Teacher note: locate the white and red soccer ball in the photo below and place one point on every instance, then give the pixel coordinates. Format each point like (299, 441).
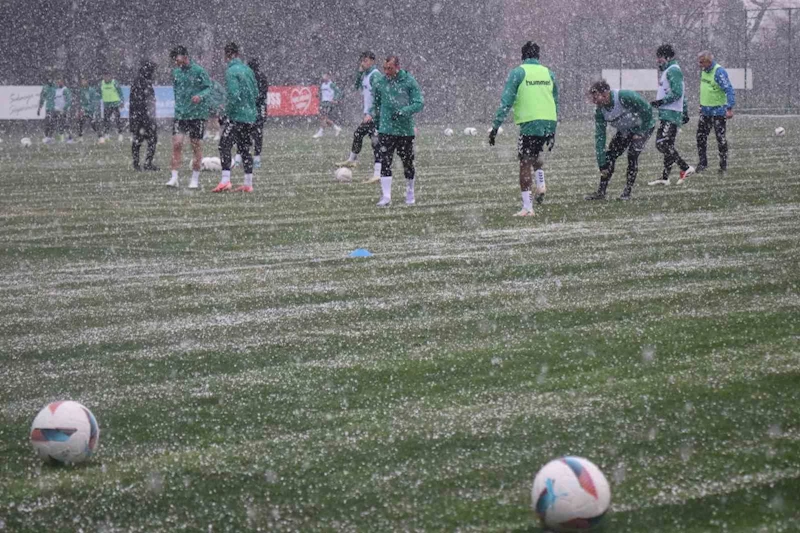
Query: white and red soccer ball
(65, 432)
(570, 494)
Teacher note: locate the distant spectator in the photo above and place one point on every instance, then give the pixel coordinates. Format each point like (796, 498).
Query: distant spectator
(113, 101)
(717, 99)
(46, 99)
(89, 110)
(143, 116)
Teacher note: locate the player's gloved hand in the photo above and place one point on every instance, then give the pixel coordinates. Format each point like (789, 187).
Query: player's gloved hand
(657, 103)
(551, 142)
(685, 118)
(492, 136)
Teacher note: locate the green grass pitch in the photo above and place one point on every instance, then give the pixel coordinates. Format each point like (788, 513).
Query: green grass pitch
(248, 376)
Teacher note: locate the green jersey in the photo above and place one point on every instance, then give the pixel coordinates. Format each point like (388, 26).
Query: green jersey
(538, 128)
(187, 82)
(241, 92)
(395, 102)
(627, 112)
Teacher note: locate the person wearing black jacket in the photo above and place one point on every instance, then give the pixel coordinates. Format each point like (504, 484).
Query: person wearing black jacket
(261, 105)
(143, 116)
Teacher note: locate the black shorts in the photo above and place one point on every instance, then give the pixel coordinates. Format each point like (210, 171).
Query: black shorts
(327, 110)
(195, 128)
(530, 146)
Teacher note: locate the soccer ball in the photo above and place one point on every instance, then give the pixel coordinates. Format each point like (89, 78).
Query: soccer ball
(65, 432)
(448, 132)
(570, 494)
(344, 175)
(780, 131)
(470, 131)
(26, 142)
(211, 164)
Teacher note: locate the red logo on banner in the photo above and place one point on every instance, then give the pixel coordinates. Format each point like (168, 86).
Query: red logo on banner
(293, 100)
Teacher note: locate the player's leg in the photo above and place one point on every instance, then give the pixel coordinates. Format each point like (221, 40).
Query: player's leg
(720, 130)
(152, 142)
(665, 136)
(196, 130)
(405, 151)
(48, 126)
(136, 146)
(226, 142)
(355, 148)
(243, 138)
(703, 129)
(619, 143)
(376, 150)
(258, 141)
(118, 120)
(538, 170)
(177, 149)
(323, 119)
(527, 154)
(388, 146)
(635, 149)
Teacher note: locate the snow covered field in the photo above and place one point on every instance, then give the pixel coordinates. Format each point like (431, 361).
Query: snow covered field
(248, 375)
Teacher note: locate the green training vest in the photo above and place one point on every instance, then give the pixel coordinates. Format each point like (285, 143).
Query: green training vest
(535, 96)
(110, 94)
(711, 94)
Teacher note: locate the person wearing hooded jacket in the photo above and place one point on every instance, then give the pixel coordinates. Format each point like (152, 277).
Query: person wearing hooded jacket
(143, 116)
(396, 99)
(261, 106)
(672, 112)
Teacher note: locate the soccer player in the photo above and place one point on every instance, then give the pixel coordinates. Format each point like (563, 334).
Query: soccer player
(192, 89)
(397, 97)
(717, 99)
(671, 104)
(143, 116)
(531, 90)
(62, 103)
(46, 99)
(261, 107)
(632, 117)
(368, 76)
(240, 117)
(89, 110)
(111, 94)
(216, 110)
(329, 95)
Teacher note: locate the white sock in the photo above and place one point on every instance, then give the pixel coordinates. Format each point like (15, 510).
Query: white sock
(226, 176)
(248, 180)
(174, 174)
(377, 171)
(337, 128)
(526, 200)
(238, 158)
(319, 131)
(257, 158)
(353, 157)
(195, 175)
(410, 185)
(386, 186)
(539, 179)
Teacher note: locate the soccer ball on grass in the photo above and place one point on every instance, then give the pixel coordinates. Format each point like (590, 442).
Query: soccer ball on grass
(570, 494)
(65, 432)
(344, 175)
